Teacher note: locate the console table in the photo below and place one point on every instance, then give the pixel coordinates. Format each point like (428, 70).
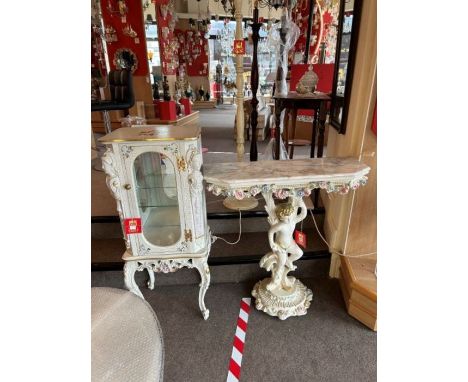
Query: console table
(281, 295)
(294, 101)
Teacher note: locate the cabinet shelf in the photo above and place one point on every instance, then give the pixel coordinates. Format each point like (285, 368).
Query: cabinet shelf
(156, 188)
(151, 205)
(161, 225)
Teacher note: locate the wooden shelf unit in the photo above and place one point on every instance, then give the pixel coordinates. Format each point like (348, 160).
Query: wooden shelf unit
(359, 286)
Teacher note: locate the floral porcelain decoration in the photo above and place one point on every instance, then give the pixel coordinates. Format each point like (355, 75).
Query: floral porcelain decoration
(283, 192)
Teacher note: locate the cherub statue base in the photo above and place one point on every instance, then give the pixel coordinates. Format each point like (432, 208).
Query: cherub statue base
(281, 295)
(280, 302)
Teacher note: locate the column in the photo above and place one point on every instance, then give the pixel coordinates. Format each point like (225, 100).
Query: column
(240, 85)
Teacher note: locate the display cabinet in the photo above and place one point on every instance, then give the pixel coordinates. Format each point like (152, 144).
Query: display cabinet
(154, 174)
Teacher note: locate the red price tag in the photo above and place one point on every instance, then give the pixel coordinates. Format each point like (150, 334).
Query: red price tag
(300, 238)
(132, 225)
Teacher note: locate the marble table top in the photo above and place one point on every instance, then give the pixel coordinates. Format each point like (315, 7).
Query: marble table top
(296, 95)
(286, 177)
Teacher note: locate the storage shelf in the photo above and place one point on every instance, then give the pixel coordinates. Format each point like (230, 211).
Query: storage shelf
(155, 188)
(162, 226)
(141, 205)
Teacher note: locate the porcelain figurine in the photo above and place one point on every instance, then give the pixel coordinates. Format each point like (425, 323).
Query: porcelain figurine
(166, 95)
(285, 249)
(189, 91)
(308, 82)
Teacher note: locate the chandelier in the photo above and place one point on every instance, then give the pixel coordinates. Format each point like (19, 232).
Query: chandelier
(226, 38)
(228, 6)
(274, 3)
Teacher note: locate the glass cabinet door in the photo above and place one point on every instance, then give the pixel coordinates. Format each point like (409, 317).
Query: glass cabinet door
(156, 193)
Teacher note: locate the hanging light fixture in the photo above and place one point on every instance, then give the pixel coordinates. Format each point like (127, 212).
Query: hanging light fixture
(276, 3)
(228, 6)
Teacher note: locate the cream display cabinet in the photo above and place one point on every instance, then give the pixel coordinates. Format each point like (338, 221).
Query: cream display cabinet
(154, 174)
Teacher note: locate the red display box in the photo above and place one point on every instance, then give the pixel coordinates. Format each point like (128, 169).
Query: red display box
(324, 84)
(187, 105)
(156, 107)
(323, 71)
(167, 110)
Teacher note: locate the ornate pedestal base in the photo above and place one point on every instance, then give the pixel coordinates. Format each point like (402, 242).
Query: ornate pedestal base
(240, 205)
(282, 303)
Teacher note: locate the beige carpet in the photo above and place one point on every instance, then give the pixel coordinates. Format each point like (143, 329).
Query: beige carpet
(326, 345)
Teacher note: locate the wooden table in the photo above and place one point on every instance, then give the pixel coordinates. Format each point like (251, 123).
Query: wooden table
(294, 101)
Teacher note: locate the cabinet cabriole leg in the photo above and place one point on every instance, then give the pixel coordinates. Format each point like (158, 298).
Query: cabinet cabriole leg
(130, 268)
(204, 270)
(151, 278)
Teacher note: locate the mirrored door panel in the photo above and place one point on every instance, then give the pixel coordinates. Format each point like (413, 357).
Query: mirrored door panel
(348, 28)
(156, 193)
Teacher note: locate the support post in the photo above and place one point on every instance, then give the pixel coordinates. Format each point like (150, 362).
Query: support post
(240, 86)
(309, 31)
(254, 85)
(280, 76)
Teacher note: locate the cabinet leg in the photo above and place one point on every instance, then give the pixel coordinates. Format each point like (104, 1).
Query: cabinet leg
(130, 268)
(151, 278)
(204, 270)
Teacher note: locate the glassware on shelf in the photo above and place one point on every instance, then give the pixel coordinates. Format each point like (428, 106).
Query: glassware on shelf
(130, 121)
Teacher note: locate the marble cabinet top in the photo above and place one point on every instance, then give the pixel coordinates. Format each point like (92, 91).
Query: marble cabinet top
(153, 133)
(297, 175)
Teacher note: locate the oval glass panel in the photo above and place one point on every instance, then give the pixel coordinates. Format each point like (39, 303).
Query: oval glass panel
(156, 193)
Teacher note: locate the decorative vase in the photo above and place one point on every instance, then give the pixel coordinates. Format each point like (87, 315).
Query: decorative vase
(201, 92)
(189, 91)
(308, 82)
(164, 9)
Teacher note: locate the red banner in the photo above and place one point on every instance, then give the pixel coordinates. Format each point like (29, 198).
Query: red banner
(239, 47)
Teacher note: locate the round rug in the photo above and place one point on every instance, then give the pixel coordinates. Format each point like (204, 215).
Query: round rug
(126, 338)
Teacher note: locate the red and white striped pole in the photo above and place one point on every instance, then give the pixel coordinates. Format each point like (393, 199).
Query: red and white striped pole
(239, 341)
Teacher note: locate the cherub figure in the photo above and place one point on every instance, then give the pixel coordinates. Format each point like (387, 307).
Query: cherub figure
(285, 249)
